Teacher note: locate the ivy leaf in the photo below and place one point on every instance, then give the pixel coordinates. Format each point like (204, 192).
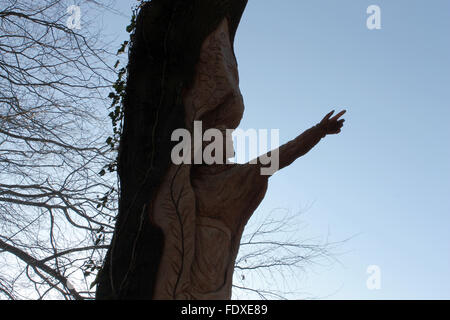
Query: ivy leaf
(122, 48)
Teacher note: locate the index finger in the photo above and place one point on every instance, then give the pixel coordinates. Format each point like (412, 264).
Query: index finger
(339, 115)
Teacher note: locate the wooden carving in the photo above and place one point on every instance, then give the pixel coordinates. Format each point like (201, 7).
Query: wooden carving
(179, 225)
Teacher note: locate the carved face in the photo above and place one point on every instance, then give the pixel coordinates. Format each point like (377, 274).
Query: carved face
(214, 97)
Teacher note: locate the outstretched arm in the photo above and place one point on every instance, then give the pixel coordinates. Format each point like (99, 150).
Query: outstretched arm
(301, 145)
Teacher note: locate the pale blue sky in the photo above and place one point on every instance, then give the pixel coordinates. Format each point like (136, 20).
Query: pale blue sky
(386, 177)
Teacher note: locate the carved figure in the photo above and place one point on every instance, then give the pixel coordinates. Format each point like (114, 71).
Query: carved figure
(179, 226)
(203, 209)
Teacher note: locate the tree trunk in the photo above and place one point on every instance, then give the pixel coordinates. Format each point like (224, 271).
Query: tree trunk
(164, 51)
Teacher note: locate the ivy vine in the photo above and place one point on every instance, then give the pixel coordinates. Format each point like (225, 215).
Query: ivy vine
(117, 96)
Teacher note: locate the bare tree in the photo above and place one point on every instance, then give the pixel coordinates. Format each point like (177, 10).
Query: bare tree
(55, 209)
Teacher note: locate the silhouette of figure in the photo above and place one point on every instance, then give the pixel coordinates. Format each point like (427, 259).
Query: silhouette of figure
(202, 209)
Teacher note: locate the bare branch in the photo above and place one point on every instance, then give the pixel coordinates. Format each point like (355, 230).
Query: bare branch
(38, 264)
